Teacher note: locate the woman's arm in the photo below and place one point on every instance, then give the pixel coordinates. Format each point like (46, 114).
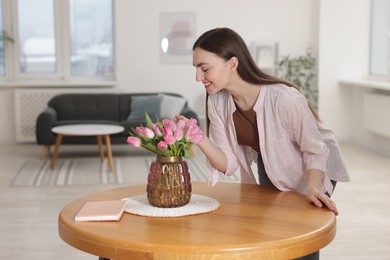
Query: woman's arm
(314, 150)
(214, 154)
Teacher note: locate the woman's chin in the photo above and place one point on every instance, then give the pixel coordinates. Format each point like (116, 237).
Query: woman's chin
(211, 91)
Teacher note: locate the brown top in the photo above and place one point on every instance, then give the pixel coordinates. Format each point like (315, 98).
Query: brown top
(246, 128)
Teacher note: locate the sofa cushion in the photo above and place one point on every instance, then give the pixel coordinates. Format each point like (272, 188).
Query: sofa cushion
(171, 106)
(86, 106)
(141, 104)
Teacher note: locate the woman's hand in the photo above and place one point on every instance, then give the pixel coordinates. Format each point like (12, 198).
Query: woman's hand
(314, 192)
(214, 154)
(180, 117)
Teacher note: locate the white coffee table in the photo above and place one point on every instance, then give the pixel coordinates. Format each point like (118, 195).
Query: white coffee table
(98, 130)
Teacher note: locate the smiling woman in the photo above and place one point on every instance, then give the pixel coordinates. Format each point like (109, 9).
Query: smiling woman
(254, 115)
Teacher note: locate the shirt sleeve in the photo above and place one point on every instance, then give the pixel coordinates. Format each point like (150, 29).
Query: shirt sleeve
(218, 134)
(304, 131)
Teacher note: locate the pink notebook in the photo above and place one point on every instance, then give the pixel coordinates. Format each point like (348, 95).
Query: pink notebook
(109, 210)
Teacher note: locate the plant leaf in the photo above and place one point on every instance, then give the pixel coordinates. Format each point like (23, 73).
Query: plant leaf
(149, 122)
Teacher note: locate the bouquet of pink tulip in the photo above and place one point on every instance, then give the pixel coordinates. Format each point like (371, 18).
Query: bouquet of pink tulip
(167, 137)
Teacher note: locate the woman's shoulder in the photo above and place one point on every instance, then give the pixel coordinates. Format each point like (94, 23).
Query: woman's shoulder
(220, 105)
(282, 92)
(281, 89)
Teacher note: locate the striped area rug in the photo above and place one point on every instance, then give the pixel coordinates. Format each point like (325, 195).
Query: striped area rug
(90, 171)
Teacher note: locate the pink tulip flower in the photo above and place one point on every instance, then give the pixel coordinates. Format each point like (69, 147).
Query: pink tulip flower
(169, 139)
(198, 137)
(169, 124)
(148, 133)
(139, 130)
(191, 122)
(162, 145)
(167, 131)
(157, 130)
(194, 134)
(134, 141)
(144, 132)
(178, 134)
(180, 124)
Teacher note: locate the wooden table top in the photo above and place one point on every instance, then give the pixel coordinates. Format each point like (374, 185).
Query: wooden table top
(252, 222)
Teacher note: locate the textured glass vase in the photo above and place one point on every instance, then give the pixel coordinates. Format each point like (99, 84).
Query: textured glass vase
(169, 182)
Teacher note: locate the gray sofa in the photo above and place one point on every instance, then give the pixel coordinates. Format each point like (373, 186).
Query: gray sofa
(125, 109)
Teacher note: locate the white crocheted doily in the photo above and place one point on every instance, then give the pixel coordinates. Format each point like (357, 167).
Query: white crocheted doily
(139, 205)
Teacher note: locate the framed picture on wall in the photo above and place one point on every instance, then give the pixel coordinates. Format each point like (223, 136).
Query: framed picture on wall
(266, 57)
(177, 35)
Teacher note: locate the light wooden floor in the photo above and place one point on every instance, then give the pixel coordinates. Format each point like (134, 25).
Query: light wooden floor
(28, 216)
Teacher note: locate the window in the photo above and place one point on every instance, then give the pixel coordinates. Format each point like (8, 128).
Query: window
(380, 29)
(91, 38)
(37, 50)
(63, 41)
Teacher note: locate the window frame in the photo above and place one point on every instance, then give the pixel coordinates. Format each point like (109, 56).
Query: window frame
(62, 77)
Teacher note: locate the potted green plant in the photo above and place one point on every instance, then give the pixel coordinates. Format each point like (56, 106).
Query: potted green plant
(301, 71)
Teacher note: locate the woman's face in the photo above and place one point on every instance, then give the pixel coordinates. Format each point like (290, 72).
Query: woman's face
(213, 71)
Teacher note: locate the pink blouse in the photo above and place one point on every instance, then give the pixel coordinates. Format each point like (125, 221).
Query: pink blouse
(291, 140)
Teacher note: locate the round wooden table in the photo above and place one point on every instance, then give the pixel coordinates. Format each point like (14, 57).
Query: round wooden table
(252, 222)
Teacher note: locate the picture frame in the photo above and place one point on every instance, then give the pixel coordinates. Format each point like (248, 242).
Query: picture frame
(177, 35)
(266, 56)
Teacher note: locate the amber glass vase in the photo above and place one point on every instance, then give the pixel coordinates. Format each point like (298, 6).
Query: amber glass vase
(169, 182)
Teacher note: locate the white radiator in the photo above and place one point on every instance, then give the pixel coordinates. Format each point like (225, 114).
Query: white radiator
(376, 113)
(29, 103)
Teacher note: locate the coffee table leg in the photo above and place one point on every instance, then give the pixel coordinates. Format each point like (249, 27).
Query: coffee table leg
(45, 151)
(55, 154)
(101, 152)
(109, 152)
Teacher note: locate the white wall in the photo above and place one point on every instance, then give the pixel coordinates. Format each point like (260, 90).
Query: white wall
(343, 55)
(360, 133)
(343, 52)
(290, 23)
(283, 21)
